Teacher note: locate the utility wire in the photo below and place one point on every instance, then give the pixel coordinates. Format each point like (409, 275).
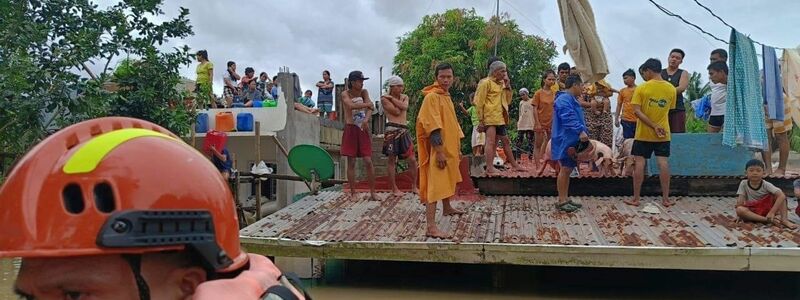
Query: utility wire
(726, 23)
(671, 14)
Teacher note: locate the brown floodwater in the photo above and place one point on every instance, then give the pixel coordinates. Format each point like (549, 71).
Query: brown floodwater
(356, 280)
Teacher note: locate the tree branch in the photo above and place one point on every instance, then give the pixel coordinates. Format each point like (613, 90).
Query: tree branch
(105, 68)
(55, 115)
(86, 68)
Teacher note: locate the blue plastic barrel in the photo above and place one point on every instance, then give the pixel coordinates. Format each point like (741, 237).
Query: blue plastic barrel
(244, 122)
(201, 125)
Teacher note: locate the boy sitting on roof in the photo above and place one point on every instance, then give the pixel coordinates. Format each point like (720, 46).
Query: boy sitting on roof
(759, 200)
(305, 104)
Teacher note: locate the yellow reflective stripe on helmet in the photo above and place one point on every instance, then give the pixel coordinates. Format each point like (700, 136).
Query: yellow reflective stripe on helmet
(90, 154)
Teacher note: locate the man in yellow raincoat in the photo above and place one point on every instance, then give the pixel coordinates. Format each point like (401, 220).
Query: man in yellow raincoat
(492, 100)
(439, 140)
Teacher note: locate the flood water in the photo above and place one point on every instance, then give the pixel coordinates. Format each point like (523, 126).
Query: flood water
(394, 280)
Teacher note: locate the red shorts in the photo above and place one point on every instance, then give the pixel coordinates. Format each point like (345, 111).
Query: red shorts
(677, 121)
(761, 206)
(356, 142)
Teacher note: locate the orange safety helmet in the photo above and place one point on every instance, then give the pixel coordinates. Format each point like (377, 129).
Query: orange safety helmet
(118, 186)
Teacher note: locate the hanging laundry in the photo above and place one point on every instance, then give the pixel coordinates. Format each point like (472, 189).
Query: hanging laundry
(745, 108)
(582, 41)
(790, 73)
(702, 107)
(773, 90)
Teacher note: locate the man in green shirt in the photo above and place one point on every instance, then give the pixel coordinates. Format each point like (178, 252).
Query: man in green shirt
(478, 138)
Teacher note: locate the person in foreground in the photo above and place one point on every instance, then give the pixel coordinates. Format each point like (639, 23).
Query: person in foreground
(652, 102)
(439, 144)
(759, 200)
(569, 128)
(88, 212)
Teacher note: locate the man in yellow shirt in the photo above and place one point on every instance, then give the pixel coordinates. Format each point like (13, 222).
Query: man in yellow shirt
(439, 145)
(492, 100)
(652, 101)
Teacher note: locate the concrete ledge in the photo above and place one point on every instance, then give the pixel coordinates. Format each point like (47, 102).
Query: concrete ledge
(694, 154)
(711, 258)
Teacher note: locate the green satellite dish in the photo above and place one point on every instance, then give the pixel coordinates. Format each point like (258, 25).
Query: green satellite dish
(311, 163)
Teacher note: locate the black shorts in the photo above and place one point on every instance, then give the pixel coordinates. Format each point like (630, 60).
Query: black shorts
(646, 149)
(499, 130)
(716, 121)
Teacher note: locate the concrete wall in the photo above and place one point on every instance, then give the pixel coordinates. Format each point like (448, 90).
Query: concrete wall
(694, 154)
(243, 152)
(301, 128)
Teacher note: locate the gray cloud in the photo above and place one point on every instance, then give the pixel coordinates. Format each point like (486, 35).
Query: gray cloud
(310, 36)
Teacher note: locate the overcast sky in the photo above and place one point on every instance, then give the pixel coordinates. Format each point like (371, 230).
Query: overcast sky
(343, 35)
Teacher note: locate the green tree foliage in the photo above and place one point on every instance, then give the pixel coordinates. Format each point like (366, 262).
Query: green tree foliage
(46, 81)
(696, 90)
(466, 41)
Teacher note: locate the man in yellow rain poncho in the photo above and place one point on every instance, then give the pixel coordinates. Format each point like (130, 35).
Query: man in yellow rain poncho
(492, 100)
(439, 140)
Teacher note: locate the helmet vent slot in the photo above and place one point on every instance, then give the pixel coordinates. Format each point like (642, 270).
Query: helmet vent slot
(95, 130)
(104, 197)
(73, 198)
(72, 141)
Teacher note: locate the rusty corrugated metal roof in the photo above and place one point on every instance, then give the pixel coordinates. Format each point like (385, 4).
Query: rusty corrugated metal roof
(604, 221)
(534, 172)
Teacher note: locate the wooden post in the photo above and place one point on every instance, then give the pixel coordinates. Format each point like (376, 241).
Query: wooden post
(256, 179)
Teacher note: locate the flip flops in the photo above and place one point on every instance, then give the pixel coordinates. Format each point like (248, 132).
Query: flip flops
(566, 207)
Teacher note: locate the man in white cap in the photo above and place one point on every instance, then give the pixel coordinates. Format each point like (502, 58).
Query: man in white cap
(492, 100)
(396, 140)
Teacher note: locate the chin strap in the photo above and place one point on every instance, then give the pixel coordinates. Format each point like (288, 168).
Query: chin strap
(135, 261)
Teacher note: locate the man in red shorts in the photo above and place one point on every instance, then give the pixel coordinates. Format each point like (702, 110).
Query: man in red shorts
(759, 200)
(356, 140)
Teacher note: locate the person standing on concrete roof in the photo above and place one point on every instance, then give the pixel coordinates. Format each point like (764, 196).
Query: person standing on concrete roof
(397, 141)
(356, 138)
(230, 89)
(439, 140)
(325, 94)
(205, 78)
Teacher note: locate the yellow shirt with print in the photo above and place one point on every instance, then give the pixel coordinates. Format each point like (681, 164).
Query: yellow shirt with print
(656, 97)
(492, 100)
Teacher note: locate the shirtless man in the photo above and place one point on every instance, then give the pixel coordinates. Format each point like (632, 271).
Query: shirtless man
(356, 140)
(397, 142)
